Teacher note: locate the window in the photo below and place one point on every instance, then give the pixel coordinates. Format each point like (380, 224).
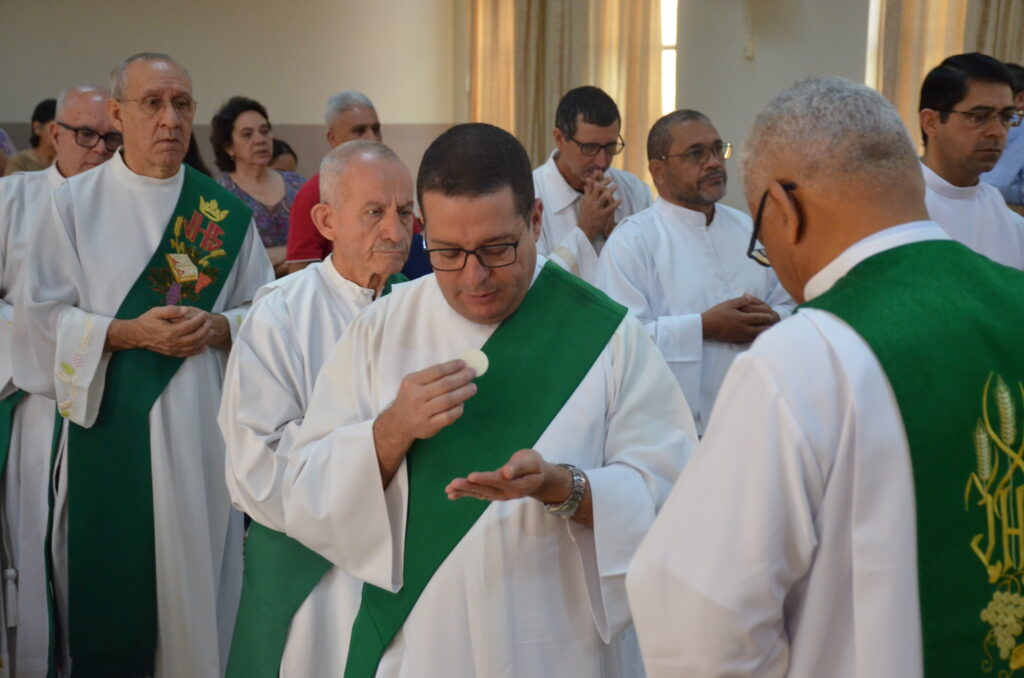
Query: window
(669, 29)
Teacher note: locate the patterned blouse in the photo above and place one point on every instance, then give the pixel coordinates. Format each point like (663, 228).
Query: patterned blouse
(271, 221)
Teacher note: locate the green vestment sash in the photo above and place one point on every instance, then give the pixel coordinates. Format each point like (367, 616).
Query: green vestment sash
(7, 406)
(279, 575)
(946, 325)
(538, 356)
(111, 560)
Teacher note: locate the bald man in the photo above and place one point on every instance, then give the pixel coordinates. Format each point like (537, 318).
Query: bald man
(84, 138)
(132, 345)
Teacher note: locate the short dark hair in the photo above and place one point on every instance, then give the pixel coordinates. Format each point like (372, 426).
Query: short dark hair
(281, 147)
(1017, 73)
(223, 124)
(659, 139)
(473, 160)
(44, 112)
(946, 85)
(596, 107)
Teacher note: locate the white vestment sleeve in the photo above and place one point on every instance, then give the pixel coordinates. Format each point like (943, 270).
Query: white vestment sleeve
(334, 500)
(7, 386)
(650, 436)
(575, 253)
(709, 583)
(261, 411)
(779, 300)
(58, 348)
(255, 266)
(679, 338)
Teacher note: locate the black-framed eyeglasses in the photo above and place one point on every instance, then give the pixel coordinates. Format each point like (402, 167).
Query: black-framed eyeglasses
(86, 137)
(757, 253)
(490, 256)
(982, 116)
(592, 149)
(700, 155)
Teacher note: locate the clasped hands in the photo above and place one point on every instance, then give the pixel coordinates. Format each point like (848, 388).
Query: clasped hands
(433, 398)
(176, 331)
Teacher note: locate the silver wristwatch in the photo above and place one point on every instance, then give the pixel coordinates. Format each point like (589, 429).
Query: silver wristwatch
(569, 507)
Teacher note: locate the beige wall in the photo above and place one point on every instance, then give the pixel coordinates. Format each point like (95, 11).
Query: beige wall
(289, 55)
(790, 40)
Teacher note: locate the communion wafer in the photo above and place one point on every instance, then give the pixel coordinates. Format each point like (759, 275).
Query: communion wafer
(477, 360)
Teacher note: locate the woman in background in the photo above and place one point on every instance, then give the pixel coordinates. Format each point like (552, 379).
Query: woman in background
(243, 144)
(283, 157)
(41, 152)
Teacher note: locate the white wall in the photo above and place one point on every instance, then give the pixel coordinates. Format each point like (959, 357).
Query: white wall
(792, 39)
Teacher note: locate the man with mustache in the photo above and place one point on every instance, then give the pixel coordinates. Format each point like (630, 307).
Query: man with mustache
(966, 111)
(84, 137)
(583, 196)
(367, 213)
(477, 515)
(680, 266)
(137, 275)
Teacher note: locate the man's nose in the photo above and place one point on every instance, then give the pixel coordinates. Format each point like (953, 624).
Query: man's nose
(475, 272)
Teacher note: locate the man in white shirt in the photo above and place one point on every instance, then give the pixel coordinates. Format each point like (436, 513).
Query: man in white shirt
(367, 211)
(562, 417)
(84, 137)
(966, 110)
(136, 278)
(847, 512)
(583, 196)
(680, 265)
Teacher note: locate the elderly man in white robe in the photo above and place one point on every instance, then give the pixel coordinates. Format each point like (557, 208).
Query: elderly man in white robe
(367, 211)
(136, 278)
(84, 137)
(848, 526)
(680, 265)
(966, 110)
(479, 513)
(584, 197)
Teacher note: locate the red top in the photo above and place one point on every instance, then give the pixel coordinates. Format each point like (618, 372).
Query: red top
(304, 240)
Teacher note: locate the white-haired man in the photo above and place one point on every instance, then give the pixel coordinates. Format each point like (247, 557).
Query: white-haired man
(136, 278)
(680, 265)
(850, 511)
(350, 115)
(84, 137)
(367, 210)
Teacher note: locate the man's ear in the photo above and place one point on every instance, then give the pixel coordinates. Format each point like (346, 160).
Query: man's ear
(536, 217)
(930, 121)
(791, 221)
(116, 112)
(323, 218)
(657, 170)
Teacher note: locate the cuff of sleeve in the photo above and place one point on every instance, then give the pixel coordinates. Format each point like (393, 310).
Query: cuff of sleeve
(623, 511)
(236, 316)
(80, 366)
(680, 338)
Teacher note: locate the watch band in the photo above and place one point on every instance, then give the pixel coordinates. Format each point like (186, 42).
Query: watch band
(569, 507)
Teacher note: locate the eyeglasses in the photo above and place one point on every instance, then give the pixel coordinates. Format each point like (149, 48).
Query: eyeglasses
(591, 149)
(184, 106)
(982, 116)
(490, 256)
(700, 155)
(86, 137)
(757, 253)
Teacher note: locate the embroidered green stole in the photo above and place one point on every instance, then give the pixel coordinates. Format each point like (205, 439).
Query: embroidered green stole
(111, 560)
(538, 357)
(279, 575)
(946, 325)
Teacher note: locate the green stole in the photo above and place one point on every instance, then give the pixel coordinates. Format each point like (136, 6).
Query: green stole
(7, 406)
(538, 357)
(961, 400)
(279, 575)
(111, 560)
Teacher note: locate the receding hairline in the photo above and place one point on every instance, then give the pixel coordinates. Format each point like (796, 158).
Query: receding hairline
(118, 77)
(340, 158)
(78, 91)
(344, 101)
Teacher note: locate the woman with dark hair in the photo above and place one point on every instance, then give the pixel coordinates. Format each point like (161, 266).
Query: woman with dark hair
(41, 152)
(284, 158)
(242, 145)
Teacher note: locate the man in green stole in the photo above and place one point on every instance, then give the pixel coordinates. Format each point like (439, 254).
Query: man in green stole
(864, 518)
(289, 332)
(403, 438)
(135, 281)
